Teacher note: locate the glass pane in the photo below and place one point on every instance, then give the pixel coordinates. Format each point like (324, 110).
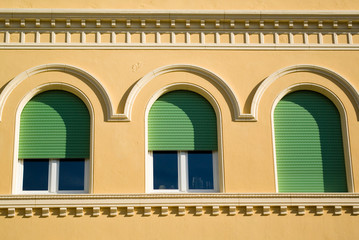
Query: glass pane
(200, 170)
(36, 175)
(72, 174)
(165, 170)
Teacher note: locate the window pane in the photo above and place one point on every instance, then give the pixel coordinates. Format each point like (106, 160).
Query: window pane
(72, 174)
(200, 170)
(36, 175)
(165, 170)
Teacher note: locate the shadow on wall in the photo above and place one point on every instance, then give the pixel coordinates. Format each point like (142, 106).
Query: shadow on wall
(55, 124)
(183, 119)
(309, 144)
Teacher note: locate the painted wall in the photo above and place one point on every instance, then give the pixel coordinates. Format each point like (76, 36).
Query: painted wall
(179, 227)
(118, 167)
(187, 4)
(247, 146)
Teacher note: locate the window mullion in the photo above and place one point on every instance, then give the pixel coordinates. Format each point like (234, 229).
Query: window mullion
(53, 175)
(183, 171)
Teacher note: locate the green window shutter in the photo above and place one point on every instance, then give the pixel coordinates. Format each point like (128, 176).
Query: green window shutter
(54, 124)
(309, 144)
(182, 120)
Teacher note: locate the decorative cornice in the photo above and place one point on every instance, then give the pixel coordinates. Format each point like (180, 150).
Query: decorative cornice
(145, 204)
(151, 29)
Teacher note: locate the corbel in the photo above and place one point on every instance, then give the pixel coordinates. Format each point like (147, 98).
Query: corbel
(217, 23)
(188, 23)
(28, 212)
(350, 24)
(83, 23)
(10, 212)
(232, 24)
(113, 23)
(355, 210)
(335, 24)
(113, 211)
(45, 212)
(143, 23)
(22, 22)
(249, 210)
(246, 24)
(203, 23)
(63, 212)
(337, 210)
(232, 210)
(320, 24)
(128, 23)
(79, 212)
(283, 210)
(181, 210)
(68, 23)
(53, 23)
(261, 24)
(147, 211)
(199, 210)
(7, 22)
(130, 211)
(319, 210)
(276, 24)
(305, 24)
(301, 210)
(158, 23)
(290, 24)
(96, 211)
(164, 211)
(173, 23)
(215, 210)
(37, 22)
(98, 23)
(266, 210)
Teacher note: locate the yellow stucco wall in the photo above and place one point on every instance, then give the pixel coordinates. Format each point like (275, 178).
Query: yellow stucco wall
(119, 148)
(177, 227)
(187, 4)
(247, 146)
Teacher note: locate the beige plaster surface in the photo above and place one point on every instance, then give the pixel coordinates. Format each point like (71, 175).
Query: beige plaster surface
(188, 4)
(119, 147)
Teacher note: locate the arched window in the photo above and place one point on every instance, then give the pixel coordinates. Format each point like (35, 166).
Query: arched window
(182, 143)
(309, 144)
(54, 144)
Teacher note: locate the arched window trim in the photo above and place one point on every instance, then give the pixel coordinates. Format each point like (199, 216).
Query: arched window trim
(43, 88)
(218, 178)
(343, 119)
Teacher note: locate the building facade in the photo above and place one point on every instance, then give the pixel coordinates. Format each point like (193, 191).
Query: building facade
(158, 119)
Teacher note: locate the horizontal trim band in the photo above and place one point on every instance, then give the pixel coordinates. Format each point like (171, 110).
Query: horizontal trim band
(172, 47)
(12, 12)
(139, 200)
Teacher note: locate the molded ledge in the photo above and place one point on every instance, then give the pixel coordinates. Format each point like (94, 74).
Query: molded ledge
(145, 204)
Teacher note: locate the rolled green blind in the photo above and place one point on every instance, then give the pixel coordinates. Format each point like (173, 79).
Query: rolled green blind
(182, 120)
(54, 124)
(309, 144)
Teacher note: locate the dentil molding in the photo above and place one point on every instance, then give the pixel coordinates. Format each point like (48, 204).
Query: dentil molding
(179, 204)
(151, 29)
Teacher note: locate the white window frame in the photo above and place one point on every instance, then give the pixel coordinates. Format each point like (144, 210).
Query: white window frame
(183, 184)
(53, 180)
